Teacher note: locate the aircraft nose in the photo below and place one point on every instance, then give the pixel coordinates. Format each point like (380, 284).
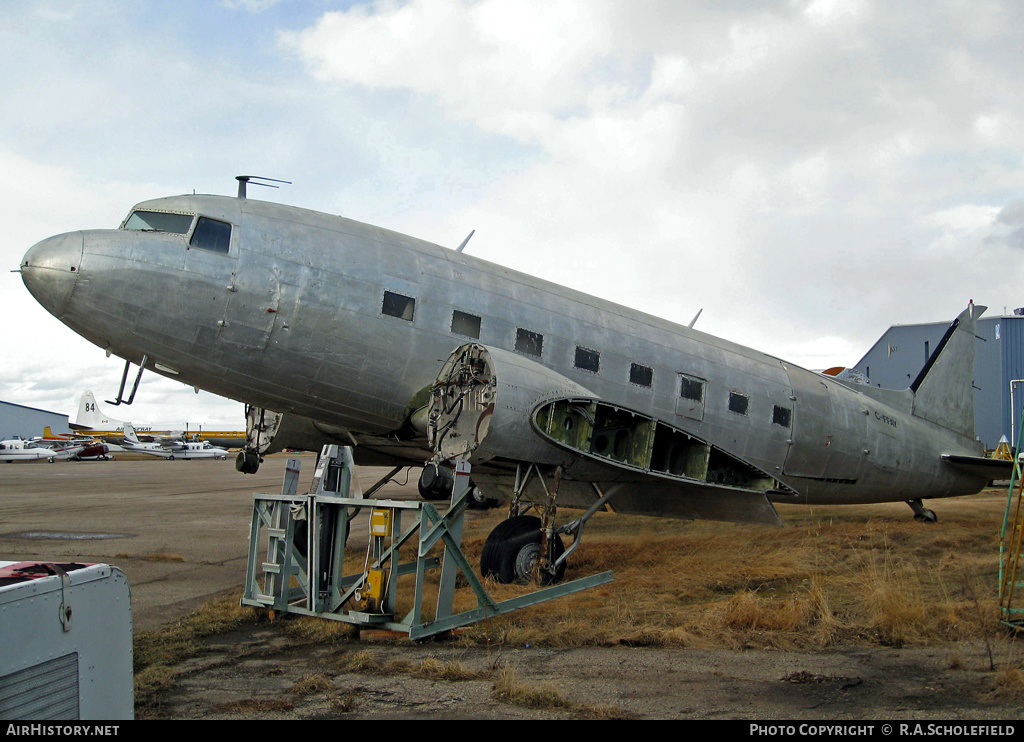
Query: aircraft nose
(50, 269)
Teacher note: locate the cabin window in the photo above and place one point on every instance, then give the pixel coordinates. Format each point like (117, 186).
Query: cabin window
(588, 360)
(212, 235)
(782, 416)
(159, 221)
(641, 375)
(530, 343)
(465, 324)
(738, 403)
(396, 305)
(691, 388)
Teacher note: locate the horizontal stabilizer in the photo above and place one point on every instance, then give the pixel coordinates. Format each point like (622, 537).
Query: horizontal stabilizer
(993, 468)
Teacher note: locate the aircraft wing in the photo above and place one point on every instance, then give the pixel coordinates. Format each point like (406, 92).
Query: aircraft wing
(644, 494)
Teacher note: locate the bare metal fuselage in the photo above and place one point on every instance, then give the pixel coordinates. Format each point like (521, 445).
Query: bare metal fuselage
(290, 319)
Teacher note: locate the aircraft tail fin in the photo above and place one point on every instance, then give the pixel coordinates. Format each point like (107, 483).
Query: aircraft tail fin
(129, 433)
(90, 416)
(944, 390)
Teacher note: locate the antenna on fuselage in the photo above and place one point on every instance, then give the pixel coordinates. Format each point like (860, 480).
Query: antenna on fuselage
(465, 242)
(243, 180)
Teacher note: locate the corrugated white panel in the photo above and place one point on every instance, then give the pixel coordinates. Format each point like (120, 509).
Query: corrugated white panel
(43, 692)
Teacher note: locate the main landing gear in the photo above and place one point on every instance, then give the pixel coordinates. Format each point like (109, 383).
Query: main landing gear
(512, 552)
(526, 547)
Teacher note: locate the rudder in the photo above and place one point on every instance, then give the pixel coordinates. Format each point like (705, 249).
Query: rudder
(90, 416)
(944, 390)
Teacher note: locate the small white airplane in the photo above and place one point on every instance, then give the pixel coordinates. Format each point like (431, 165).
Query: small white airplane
(172, 449)
(18, 449)
(197, 450)
(131, 442)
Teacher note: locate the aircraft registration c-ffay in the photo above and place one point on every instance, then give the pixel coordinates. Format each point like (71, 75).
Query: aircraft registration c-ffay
(335, 331)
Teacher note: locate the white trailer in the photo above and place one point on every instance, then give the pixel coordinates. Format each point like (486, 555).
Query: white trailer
(66, 635)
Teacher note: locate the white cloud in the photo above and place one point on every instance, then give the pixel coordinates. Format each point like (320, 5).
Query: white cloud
(485, 62)
(253, 6)
(964, 218)
(797, 169)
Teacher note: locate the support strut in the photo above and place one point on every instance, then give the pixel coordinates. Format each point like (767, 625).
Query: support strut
(135, 387)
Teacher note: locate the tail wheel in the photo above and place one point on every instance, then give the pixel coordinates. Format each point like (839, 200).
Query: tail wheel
(513, 549)
(478, 501)
(247, 462)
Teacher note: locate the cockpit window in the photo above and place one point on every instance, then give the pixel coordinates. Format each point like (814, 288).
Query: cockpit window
(159, 221)
(212, 235)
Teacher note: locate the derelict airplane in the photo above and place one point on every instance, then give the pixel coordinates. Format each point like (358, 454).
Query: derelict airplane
(335, 331)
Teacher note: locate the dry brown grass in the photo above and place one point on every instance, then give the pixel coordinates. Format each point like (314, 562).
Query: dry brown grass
(367, 661)
(157, 654)
(509, 689)
(833, 576)
(312, 684)
(836, 575)
(253, 706)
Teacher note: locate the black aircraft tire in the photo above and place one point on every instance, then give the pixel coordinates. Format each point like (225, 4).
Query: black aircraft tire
(512, 549)
(497, 536)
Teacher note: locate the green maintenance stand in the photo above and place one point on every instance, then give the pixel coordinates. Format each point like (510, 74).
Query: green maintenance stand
(304, 537)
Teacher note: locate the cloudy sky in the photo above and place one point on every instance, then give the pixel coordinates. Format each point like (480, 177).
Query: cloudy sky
(807, 172)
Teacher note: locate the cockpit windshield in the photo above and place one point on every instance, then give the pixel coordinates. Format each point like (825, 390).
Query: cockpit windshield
(159, 221)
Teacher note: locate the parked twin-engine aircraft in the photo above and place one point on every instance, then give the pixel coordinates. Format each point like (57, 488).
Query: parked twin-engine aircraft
(171, 449)
(91, 419)
(334, 331)
(130, 441)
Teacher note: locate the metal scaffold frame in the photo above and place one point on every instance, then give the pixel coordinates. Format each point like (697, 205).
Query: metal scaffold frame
(311, 580)
(1010, 541)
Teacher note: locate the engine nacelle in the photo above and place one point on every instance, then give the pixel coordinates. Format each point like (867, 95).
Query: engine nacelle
(484, 400)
